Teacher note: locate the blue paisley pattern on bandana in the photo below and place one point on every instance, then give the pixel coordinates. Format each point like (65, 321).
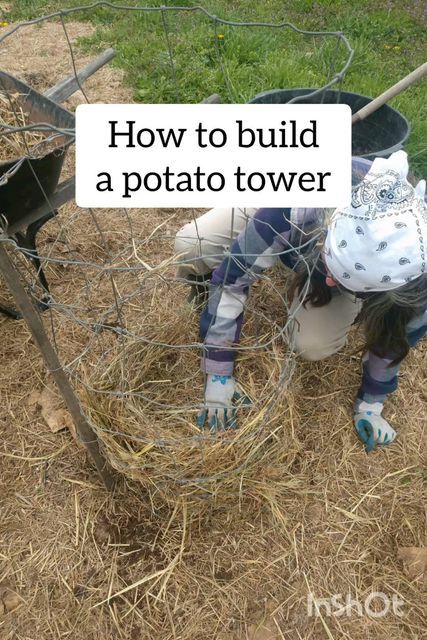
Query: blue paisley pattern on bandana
(382, 192)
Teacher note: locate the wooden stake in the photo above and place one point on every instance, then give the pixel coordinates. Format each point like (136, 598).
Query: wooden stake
(65, 88)
(32, 318)
(393, 91)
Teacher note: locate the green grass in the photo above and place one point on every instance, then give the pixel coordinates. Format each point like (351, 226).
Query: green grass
(388, 44)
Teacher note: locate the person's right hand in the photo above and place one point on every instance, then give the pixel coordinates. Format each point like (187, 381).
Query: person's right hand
(219, 411)
(371, 427)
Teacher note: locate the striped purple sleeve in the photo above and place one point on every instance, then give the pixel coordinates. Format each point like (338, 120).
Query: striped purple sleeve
(257, 248)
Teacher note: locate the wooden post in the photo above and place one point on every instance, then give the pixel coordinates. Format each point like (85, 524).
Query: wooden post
(393, 91)
(32, 318)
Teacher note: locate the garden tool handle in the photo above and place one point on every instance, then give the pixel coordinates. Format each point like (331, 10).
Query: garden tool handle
(405, 82)
(65, 88)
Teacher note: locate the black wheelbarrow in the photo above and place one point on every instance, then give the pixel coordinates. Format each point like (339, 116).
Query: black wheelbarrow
(29, 190)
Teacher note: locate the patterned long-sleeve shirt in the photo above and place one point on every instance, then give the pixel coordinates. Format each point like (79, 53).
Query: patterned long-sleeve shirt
(274, 235)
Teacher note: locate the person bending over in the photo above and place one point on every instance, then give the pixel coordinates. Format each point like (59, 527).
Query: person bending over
(371, 266)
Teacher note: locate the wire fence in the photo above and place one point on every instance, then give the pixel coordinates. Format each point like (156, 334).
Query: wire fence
(112, 287)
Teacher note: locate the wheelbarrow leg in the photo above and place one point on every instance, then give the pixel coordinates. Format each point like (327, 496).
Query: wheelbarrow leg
(28, 242)
(11, 313)
(30, 238)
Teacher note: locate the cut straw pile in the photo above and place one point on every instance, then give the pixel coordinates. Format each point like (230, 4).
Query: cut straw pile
(146, 402)
(19, 143)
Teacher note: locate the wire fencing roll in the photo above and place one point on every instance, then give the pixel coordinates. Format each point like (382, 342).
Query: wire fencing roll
(116, 307)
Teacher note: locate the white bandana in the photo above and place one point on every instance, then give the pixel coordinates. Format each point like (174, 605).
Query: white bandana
(379, 242)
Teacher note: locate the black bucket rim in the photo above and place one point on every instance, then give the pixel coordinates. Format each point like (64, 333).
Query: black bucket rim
(384, 152)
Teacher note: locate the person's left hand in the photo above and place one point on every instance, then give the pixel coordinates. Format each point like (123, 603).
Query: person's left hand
(371, 427)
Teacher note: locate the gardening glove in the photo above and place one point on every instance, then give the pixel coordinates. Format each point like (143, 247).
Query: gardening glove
(218, 410)
(371, 427)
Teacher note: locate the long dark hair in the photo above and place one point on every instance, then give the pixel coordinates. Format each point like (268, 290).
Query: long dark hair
(384, 315)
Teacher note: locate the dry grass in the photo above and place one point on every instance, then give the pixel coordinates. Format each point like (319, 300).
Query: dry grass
(146, 396)
(314, 513)
(21, 143)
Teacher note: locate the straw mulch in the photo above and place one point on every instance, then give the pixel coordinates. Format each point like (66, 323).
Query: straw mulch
(310, 512)
(254, 521)
(144, 404)
(20, 143)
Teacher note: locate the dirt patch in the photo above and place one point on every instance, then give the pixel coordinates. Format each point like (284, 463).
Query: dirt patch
(39, 55)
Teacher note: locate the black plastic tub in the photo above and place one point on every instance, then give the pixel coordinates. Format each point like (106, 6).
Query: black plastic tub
(383, 132)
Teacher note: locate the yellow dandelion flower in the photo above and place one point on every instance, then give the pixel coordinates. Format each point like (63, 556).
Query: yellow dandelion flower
(3, 23)
(220, 36)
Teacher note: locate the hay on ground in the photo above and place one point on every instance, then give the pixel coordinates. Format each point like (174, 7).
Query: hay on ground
(312, 514)
(144, 403)
(18, 144)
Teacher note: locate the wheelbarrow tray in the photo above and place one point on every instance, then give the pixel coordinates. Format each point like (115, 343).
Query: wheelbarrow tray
(33, 180)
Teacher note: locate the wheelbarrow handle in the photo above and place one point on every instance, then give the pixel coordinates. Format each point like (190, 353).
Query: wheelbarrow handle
(65, 88)
(400, 86)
